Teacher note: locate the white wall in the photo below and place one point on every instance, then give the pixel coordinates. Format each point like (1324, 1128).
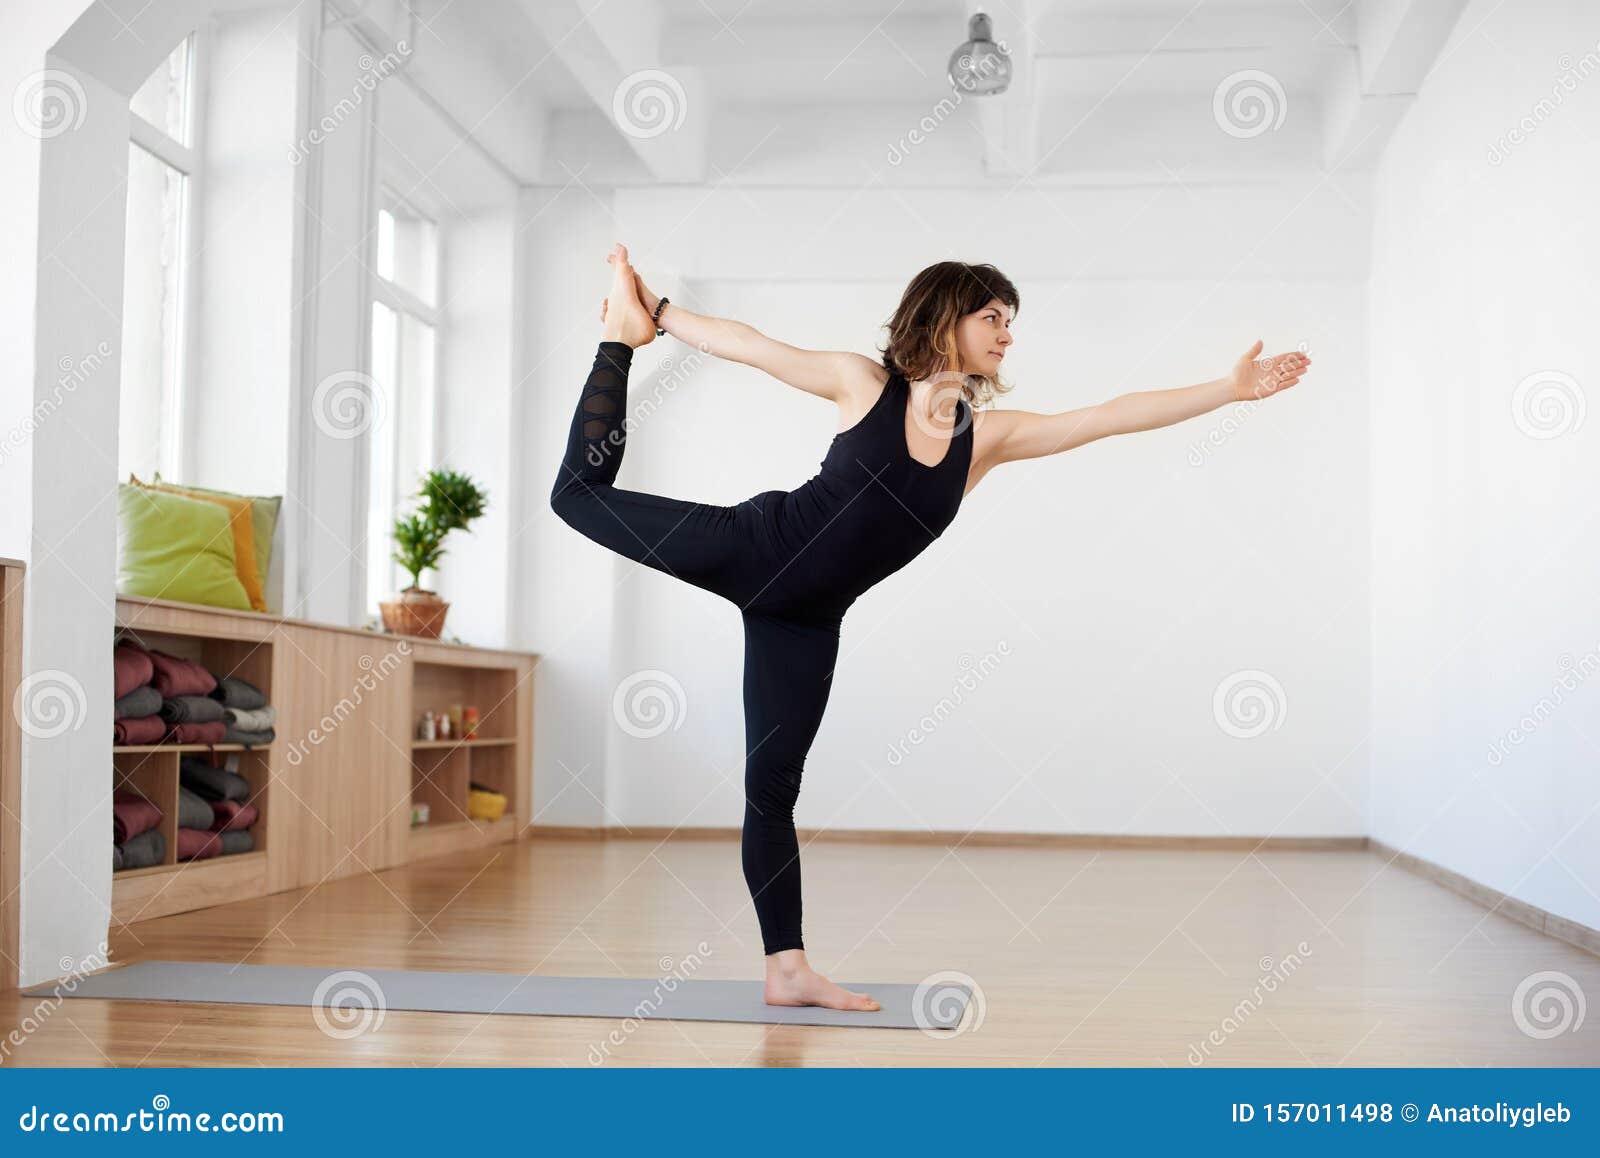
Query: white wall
(1486, 630)
(1124, 582)
(564, 606)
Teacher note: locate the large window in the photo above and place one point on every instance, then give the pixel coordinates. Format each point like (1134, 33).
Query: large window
(162, 199)
(404, 361)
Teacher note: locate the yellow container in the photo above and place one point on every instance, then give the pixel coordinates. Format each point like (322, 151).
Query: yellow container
(485, 805)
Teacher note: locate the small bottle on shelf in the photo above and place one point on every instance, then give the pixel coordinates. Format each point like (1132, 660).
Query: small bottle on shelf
(469, 722)
(428, 728)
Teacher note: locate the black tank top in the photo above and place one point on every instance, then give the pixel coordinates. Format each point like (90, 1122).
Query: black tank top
(868, 511)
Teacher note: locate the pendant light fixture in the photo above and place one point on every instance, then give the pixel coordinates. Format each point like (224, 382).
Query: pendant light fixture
(980, 66)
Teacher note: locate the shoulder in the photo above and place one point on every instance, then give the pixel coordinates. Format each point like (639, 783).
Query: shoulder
(990, 428)
(861, 381)
(860, 374)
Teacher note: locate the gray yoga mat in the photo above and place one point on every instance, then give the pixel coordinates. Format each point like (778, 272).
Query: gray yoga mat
(941, 1006)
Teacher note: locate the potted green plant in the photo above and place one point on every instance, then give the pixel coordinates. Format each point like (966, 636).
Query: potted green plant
(448, 501)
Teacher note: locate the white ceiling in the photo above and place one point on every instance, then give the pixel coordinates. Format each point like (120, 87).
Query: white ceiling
(1133, 89)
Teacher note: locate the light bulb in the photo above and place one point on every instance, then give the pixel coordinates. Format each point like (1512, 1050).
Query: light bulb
(980, 66)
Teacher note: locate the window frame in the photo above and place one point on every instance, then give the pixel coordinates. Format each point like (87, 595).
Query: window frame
(188, 160)
(404, 303)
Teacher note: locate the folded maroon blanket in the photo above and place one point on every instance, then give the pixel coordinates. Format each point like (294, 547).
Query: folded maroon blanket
(134, 668)
(143, 730)
(132, 814)
(232, 815)
(210, 733)
(175, 676)
(194, 844)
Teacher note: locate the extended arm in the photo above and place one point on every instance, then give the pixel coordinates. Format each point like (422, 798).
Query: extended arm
(831, 374)
(1016, 434)
(826, 373)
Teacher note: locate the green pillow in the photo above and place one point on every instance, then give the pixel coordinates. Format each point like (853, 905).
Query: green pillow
(174, 547)
(263, 517)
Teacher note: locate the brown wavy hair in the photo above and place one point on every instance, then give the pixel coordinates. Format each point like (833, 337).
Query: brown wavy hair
(922, 332)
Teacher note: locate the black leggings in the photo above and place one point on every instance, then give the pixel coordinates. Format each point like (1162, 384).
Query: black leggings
(788, 659)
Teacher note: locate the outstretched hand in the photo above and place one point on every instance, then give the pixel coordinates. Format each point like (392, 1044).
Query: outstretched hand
(1255, 377)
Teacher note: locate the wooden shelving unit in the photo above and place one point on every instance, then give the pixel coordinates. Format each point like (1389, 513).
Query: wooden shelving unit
(443, 771)
(153, 770)
(338, 781)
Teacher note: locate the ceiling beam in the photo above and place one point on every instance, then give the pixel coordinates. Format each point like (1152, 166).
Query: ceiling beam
(1398, 43)
(613, 52)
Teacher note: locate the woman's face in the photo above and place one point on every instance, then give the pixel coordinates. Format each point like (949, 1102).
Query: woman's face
(982, 338)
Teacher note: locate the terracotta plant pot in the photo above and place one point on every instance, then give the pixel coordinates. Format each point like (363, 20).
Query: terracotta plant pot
(416, 612)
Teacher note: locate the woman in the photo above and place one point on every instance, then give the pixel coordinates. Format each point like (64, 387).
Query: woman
(912, 441)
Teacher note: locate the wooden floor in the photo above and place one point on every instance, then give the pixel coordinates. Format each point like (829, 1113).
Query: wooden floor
(1083, 957)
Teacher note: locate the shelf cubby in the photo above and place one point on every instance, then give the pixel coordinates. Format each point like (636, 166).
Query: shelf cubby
(153, 770)
(443, 771)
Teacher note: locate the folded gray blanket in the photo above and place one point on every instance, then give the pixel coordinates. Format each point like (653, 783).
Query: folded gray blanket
(235, 735)
(240, 841)
(252, 719)
(144, 850)
(210, 783)
(145, 701)
(193, 810)
(116, 858)
(191, 710)
(234, 692)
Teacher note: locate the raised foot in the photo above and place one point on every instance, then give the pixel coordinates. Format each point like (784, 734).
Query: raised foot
(624, 317)
(808, 987)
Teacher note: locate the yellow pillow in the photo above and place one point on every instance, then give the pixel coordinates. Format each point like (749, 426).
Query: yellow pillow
(241, 523)
(173, 547)
(263, 513)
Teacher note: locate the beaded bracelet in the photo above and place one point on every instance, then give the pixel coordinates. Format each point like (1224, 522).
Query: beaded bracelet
(656, 317)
